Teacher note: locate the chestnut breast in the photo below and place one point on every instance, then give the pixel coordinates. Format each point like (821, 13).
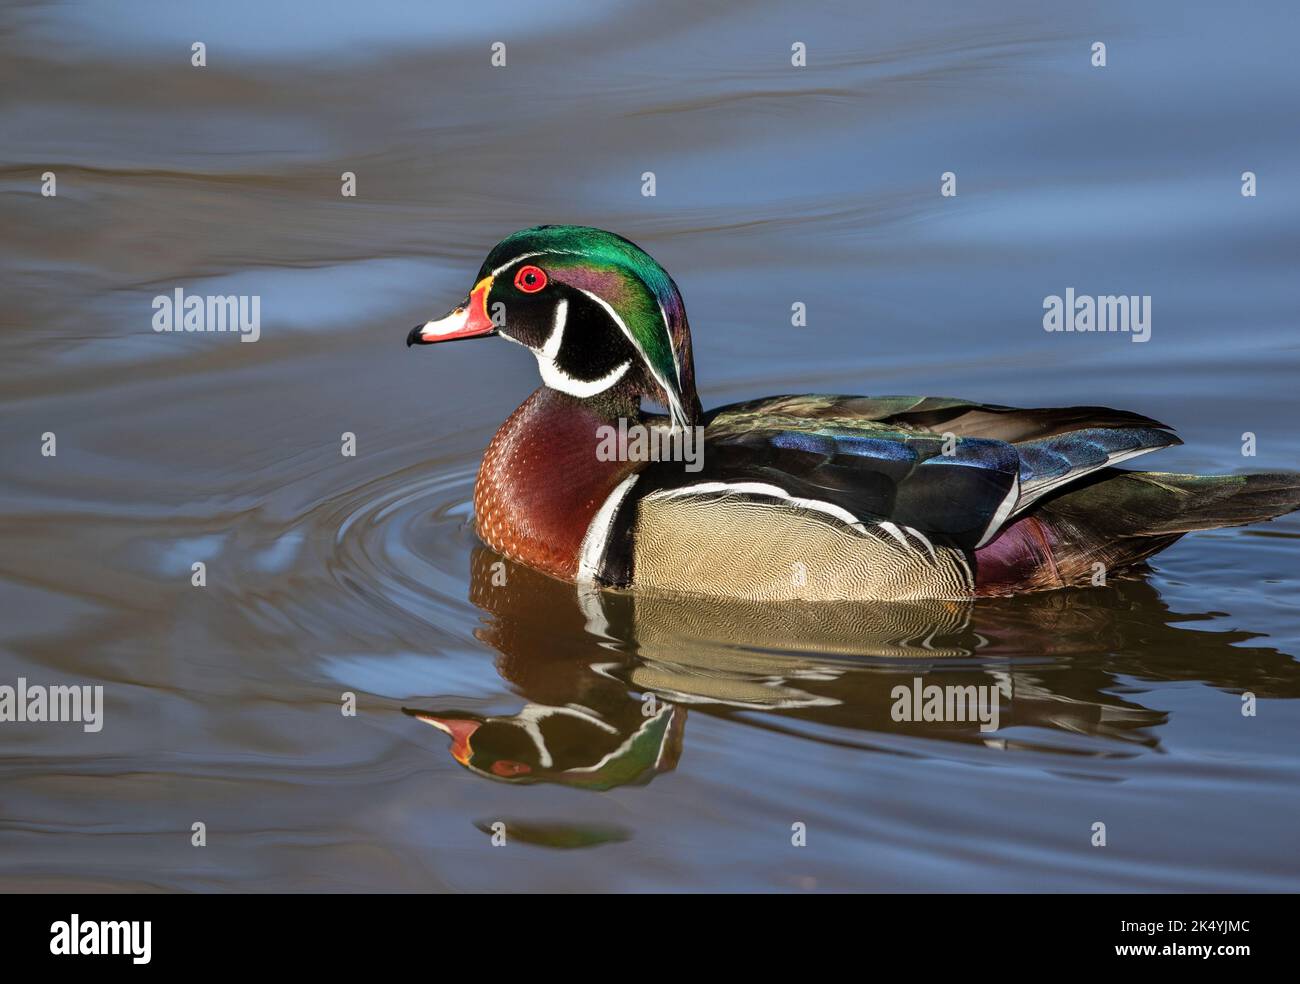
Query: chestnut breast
(540, 483)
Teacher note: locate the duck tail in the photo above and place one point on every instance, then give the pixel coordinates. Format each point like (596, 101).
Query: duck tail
(1162, 503)
(1114, 519)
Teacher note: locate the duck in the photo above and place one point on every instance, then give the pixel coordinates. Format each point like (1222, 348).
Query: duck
(796, 497)
(569, 746)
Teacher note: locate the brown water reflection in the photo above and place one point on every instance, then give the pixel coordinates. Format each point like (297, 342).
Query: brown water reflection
(586, 664)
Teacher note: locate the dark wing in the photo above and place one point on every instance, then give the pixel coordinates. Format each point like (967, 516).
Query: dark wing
(872, 472)
(949, 468)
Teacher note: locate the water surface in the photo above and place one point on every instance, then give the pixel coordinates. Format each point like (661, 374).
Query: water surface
(329, 574)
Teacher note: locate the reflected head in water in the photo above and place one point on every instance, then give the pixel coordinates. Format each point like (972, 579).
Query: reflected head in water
(571, 746)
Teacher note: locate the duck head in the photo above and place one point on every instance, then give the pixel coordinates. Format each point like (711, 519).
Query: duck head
(602, 317)
(571, 746)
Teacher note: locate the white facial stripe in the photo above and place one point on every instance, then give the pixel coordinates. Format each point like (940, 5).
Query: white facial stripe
(677, 366)
(513, 261)
(551, 348)
(555, 377)
(674, 405)
(528, 718)
(664, 708)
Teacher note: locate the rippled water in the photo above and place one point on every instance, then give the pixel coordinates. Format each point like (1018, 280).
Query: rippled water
(329, 574)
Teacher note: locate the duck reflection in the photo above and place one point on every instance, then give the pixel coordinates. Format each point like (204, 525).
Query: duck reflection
(572, 745)
(607, 677)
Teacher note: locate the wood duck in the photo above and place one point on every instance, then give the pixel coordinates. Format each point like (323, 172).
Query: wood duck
(805, 497)
(571, 745)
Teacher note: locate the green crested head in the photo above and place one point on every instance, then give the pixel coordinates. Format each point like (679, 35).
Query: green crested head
(598, 312)
(557, 745)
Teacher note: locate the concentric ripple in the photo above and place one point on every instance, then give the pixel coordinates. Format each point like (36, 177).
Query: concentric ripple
(400, 544)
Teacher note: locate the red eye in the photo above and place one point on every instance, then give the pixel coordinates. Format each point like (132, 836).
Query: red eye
(530, 279)
(507, 768)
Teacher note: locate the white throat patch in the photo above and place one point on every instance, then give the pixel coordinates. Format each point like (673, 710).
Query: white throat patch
(555, 377)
